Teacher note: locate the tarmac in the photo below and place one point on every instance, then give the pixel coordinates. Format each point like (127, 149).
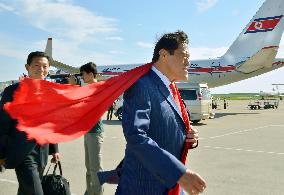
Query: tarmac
(240, 152)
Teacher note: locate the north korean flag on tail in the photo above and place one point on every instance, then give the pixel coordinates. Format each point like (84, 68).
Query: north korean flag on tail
(263, 24)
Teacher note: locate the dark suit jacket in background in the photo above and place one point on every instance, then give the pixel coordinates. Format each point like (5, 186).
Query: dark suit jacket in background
(14, 146)
(155, 134)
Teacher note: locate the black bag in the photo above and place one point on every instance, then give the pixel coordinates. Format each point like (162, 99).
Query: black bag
(53, 184)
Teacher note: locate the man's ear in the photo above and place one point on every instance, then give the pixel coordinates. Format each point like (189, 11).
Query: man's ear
(163, 53)
(92, 75)
(26, 65)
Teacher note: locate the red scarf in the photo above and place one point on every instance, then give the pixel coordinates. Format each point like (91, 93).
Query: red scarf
(52, 113)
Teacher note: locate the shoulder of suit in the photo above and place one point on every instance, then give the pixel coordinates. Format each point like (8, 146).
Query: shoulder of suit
(12, 87)
(142, 85)
(146, 81)
(8, 91)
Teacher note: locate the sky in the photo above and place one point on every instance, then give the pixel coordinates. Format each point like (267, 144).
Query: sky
(118, 32)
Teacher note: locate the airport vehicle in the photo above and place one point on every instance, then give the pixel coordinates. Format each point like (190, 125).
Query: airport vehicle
(197, 100)
(251, 54)
(263, 104)
(196, 97)
(117, 110)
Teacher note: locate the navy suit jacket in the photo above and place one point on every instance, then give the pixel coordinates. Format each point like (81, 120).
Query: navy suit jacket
(155, 134)
(14, 146)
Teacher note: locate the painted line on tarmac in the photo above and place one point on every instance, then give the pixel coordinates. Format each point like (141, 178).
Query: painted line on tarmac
(9, 181)
(242, 131)
(277, 125)
(119, 138)
(245, 150)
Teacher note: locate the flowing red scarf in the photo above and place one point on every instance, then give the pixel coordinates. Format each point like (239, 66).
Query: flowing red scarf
(52, 113)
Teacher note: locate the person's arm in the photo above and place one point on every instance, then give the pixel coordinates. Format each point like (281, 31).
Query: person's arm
(192, 182)
(53, 150)
(5, 122)
(136, 122)
(72, 80)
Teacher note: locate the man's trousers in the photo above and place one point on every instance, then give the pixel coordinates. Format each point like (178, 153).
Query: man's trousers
(29, 174)
(93, 161)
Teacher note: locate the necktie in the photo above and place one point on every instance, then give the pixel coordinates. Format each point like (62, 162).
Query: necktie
(180, 105)
(175, 95)
(177, 189)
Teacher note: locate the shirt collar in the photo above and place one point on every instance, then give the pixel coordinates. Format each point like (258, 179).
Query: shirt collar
(164, 79)
(167, 82)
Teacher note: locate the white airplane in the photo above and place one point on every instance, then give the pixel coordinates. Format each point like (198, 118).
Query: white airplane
(274, 93)
(251, 54)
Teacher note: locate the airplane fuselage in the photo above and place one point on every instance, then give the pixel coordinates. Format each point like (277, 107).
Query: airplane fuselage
(212, 71)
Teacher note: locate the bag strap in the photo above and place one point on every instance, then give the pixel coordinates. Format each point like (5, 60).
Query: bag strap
(55, 167)
(48, 169)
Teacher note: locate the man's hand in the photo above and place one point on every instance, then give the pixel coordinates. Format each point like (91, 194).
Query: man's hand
(2, 162)
(192, 136)
(55, 157)
(192, 182)
(72, 80)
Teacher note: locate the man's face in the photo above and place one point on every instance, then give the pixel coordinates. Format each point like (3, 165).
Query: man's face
(87, 77)
(39, 67)
(178, 63)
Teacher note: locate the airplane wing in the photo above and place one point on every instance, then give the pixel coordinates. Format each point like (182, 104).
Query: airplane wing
(73, 70)
(65, 67)
(57, 64)
(258, 61)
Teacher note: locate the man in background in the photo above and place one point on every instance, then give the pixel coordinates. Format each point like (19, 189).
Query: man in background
(93, 140)
(110, 111)
(16, 151)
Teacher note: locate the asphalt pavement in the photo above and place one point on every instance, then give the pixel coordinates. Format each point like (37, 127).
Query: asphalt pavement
(241, 152)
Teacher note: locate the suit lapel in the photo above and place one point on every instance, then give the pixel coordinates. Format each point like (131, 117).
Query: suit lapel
(165, 92)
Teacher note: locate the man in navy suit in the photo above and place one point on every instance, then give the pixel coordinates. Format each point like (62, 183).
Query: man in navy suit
(153, 126)
(16, 151)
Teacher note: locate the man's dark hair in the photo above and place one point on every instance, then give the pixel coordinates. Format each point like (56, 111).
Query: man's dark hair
(170, 42)
(89, 67)
(35, 54)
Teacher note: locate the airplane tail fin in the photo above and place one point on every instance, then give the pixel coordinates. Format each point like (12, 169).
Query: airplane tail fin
(257, 45)
(57, 64)
(48, 48)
